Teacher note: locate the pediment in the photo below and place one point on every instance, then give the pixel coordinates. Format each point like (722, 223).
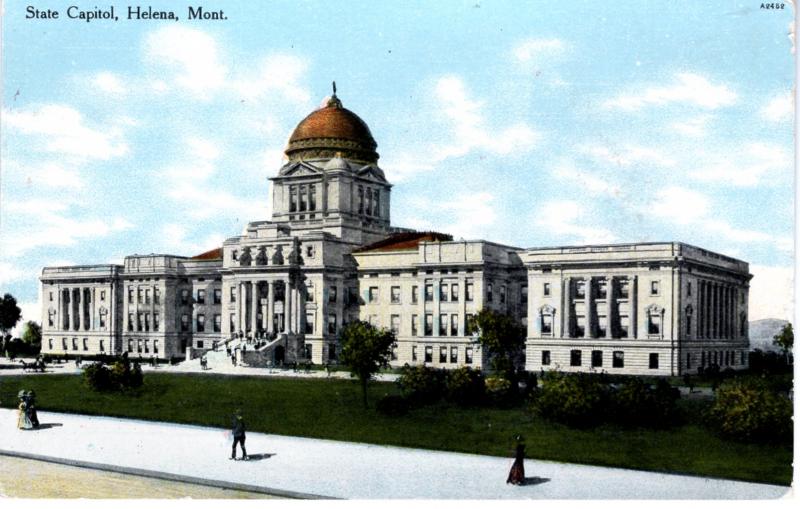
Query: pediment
(370, 172)
(300, 169)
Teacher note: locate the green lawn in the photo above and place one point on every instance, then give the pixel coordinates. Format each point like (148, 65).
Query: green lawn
(331, 408)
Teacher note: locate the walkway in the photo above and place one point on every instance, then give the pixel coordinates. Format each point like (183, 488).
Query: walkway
(310, 467)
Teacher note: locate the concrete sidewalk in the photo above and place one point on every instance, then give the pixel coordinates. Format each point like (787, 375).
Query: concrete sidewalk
(291, 466)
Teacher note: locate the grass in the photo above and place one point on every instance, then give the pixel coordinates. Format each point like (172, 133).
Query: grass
(332, 409)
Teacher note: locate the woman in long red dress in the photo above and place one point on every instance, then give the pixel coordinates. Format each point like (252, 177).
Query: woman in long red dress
(517, 473)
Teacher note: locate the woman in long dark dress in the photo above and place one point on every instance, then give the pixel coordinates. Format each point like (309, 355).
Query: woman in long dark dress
(517, 473)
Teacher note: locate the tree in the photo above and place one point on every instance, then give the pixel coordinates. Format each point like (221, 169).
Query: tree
(365, 349)
(784, 339)
(32, 334)
(502, 337)
(10, 313)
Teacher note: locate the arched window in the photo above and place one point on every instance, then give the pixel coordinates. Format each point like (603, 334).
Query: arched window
(655, 317)
(546, 319)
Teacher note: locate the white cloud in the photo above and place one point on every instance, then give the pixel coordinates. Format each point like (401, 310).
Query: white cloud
(109, 83)
(531, 50)
(687, 88)
(566, 218)
(177, 241)
(470, 131)
(627, 155)
(589, 181)
(9, 273)
(279, 73)
(744, 166)
(61, 129)
(46, 173)
(466, 215)
(31, 311)
(771, 292)
(191, 57)
(680, 205)
(694, 127)
(779, 108)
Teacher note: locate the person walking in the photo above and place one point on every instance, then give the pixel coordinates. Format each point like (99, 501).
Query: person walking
(238, 435)
(23, 420)
(30, 396)
(517, 473)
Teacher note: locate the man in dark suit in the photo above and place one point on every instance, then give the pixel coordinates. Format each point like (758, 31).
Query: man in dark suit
(238, 435)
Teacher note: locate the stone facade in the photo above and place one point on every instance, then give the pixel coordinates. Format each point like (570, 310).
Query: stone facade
(329, 255)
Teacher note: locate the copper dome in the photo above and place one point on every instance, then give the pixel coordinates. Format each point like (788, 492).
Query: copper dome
(330, 131)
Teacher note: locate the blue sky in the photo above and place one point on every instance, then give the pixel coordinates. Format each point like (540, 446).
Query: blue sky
(527, 123)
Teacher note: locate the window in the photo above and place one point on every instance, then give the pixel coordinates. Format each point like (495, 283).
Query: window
(64, 343)
(574, 357)
(394, 322)
(156, 295)
(428, 292)
(139, 295)
(200, 344)
(454, 355)
(184, 296)
(235, 255)
(395, 295)
(74, 343)
(147, 322)
(624, 288)
(130, 345)
(454, 292)
(184, 323)
(443, 292)
(102, 345)
(454, 325)
(147, 295)
(489, 293)
(414, 329)
(308, 350)
(309, 329)
(547, 324)
(233, 294)
(201, 323)
(373, 294)
(546, 290)
(50, 344)
(51, 296)
(233, 322)
(130, 295)
(332, 352)
(654, 324)
(332, 323)
(688, 361)
(217, 323)
(102, 295)
(102, 319)
(442, 354)
(580, 289)
(468, 355)
(414, 353)
(597, 358)
(139, 321)
(443, 325)
(468, 291)
(376, 202)
(368, 207)
(428, 354)
(503, 294)
(428, 324)
(654, 287)
(85, 344)
(618, 359)
(51, 318)
(217, 296)
(360, 200)
(545, 357)
(201, 296)
(414, 294)
(689, 289)
(333, 294)
(312, 197)
(130, 321)
(602, 289)
(602, 325)
(688, 325)
(469, 324)
(580, 326)
(303, 199)
(292, 198)
(146, 346)
(310, 293)
(139, 346)
(155, 346)
(624, 325)
(523, 294)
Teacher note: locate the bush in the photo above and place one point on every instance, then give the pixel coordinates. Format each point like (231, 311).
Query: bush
(393, 406)
(577, 400)
(747, 411)
(500, 391)
(637, 404)
(465, 386)
(119, 377)
(98, 377)
(421, 384)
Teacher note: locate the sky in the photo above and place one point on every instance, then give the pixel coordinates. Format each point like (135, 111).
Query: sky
(526, 123)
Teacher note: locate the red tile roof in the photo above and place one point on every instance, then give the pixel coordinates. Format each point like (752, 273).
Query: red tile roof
(405, 241)
(214, 254)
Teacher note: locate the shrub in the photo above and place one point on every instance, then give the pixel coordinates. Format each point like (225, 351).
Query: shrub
(421, 384)
(577, 400)
(120, 376)
(500, 391)
(637, 404)
(465, 386)
(98, 377)
(747, 411)
(393, 406)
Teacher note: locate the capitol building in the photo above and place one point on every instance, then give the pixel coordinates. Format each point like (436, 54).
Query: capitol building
(330, 255)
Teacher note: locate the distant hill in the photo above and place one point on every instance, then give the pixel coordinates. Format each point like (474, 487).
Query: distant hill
(762, 333)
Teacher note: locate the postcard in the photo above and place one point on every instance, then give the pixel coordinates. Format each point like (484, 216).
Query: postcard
(458, 250)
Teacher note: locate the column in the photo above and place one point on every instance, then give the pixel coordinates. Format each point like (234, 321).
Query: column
(566, 314)
(462, 304)
(715, 311)
(437, 287)
(610, 306)
(588, 331)
(94, 309)
(87, 316)
(700, 313)
(707, 310)
(76, 302)
(64, 308)
(634, 302)
(270, 305)
(254, 305)
(287, 307)
(241, 296)
(263, 307)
